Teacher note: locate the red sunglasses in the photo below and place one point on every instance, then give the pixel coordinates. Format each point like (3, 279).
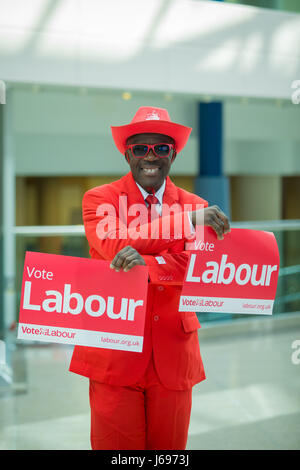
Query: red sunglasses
(141, 150)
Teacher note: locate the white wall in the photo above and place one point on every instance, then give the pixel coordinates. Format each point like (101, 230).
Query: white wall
(262, 139)
(67, 133)
(180, 46)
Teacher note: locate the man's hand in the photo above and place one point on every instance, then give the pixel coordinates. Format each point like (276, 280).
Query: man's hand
(213, 217)
(126, 259)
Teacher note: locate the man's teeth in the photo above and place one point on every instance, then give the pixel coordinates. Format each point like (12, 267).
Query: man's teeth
(150, 170)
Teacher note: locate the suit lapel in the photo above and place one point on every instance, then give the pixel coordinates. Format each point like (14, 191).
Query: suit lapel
(129, 189)
(129, 196)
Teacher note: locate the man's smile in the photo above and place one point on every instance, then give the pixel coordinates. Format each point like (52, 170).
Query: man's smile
(150, 170)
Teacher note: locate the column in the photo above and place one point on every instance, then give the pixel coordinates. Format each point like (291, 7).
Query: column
(211, 183)
(8, 190)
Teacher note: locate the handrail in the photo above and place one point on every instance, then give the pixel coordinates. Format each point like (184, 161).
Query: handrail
(75, 230)
(49, 230)
(269, 225)
(288, 270)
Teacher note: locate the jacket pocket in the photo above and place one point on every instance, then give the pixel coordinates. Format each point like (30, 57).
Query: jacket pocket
(190, 322)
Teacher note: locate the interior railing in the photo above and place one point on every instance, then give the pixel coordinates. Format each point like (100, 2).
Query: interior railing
(70, 240)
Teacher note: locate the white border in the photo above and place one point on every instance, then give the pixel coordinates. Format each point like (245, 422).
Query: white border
(81, 337)
(230, 305)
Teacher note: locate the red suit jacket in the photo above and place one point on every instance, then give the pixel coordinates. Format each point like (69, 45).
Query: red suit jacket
(171, 335)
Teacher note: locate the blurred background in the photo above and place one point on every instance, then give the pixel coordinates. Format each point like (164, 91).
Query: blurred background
(69, 69)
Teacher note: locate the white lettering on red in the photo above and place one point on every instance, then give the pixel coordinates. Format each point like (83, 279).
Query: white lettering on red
(226, 273)
(60, 303)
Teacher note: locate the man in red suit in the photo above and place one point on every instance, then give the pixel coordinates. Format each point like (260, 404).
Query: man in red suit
(143, 400)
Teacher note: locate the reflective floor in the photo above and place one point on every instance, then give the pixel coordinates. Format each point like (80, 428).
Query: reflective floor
(250, 400)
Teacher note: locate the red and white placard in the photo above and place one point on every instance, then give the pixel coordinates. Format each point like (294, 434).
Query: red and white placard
(82, 301)
(238, 274)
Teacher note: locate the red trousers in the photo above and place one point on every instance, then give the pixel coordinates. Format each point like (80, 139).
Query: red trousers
(143, 416)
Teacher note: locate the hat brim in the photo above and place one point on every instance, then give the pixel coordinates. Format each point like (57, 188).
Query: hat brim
(178, 132)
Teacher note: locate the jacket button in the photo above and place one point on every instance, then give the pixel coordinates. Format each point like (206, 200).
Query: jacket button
(156, 317)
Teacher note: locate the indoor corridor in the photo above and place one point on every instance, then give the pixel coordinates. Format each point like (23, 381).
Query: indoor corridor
(250, 399)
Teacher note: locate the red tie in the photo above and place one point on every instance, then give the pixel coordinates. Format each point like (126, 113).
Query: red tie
(152, 201)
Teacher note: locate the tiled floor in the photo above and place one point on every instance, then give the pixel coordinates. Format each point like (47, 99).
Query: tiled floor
(250, 400)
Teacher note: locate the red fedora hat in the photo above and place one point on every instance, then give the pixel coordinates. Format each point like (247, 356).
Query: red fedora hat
(151, 120)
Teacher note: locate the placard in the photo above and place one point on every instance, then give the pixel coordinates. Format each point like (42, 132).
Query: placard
(238, 274)
(82, 301)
